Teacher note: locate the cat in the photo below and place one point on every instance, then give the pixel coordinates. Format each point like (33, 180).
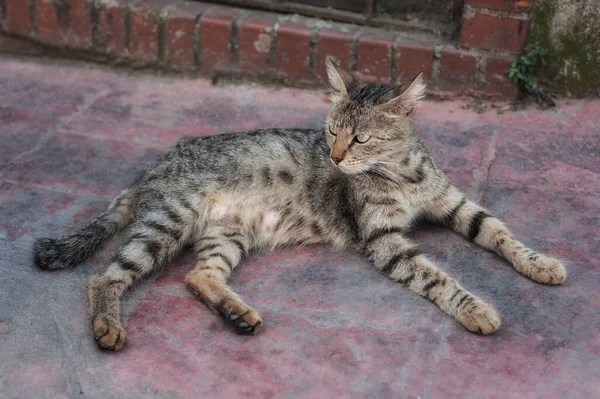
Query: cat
(357, 184)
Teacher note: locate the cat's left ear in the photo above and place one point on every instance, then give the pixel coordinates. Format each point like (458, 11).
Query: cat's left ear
(405, 103)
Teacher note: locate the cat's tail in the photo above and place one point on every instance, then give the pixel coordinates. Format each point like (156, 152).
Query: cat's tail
(69, 251)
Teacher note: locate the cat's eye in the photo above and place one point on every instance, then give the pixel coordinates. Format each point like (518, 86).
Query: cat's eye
(331, 131)
(362, 138)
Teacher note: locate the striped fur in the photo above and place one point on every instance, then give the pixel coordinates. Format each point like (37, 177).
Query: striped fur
(230, 195)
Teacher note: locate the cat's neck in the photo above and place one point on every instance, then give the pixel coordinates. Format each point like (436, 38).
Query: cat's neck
(411, 165)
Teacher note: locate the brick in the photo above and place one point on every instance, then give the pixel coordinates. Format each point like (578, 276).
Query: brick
(293, 50)
(215, 36)
(255, 42)
(111, 36)
(411, 59)
(2, 15)
(494, 33)
(15, 45)
(143, 44)
(180, 41)
(502, 5)
(18, 20)
(48, 29)
(457, 70)
(335, 44)
(79, 33)
(496, 76)
(374, 58)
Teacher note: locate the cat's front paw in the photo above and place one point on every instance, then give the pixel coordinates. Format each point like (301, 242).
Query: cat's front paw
(545, 270)
(108, 335)
(479, 317)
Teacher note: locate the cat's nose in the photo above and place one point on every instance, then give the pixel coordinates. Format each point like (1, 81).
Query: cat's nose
(336, 160)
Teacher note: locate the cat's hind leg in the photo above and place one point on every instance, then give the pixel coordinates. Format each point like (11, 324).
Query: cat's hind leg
(219, 250)
(475, 223)
(149, 243)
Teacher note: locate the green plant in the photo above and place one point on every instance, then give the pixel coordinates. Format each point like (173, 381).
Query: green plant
(380, 12)
(523, 69)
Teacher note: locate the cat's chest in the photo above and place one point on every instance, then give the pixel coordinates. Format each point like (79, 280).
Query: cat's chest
(391, 207)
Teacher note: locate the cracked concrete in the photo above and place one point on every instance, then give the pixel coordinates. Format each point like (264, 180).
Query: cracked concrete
(73, 137)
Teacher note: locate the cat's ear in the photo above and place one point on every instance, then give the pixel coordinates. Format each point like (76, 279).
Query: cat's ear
(405, 103)
(340, 80)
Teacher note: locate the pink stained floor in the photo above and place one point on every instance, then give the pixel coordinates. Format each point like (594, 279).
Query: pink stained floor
(72, 137)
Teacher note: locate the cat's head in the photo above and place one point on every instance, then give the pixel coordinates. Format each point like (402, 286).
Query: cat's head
(368, 123)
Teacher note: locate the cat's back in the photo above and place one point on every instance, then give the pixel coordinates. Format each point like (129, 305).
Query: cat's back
(257, 145)
(233, 154)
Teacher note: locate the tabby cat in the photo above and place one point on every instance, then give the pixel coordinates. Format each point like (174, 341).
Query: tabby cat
(358, 184)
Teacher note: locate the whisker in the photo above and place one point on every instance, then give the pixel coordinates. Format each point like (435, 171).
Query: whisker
(379, 173)
(383, 172)
(386, 162)
(365, 174)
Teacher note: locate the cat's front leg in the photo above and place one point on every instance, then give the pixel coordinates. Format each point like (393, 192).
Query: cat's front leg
(401, 261)
(478, 225)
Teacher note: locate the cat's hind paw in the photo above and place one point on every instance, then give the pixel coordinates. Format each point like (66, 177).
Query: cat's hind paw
(244, 319)
(108, 335)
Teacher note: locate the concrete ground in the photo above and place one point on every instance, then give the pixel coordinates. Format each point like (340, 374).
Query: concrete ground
(72, 137)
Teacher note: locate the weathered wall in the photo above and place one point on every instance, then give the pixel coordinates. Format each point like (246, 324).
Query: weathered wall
(571, 30)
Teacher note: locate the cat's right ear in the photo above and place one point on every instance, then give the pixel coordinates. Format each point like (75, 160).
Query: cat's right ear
(340, 80)
(404, 104)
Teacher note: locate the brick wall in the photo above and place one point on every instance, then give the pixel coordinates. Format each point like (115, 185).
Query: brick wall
(196, 37)
(495, 30)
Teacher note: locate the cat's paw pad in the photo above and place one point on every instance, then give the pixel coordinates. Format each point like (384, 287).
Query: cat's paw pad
(244, 319)
(108, 335)
(480, 318)
(546, 270)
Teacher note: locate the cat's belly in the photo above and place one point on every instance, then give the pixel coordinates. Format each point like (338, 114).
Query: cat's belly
(271, 222)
